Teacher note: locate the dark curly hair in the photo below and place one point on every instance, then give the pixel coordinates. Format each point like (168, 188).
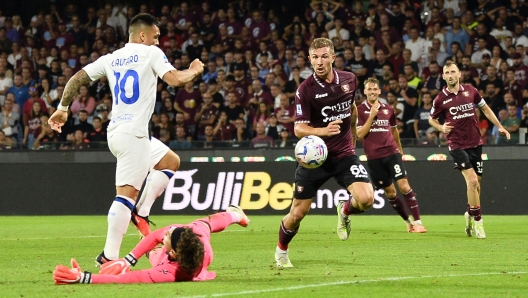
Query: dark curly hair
(189, 252)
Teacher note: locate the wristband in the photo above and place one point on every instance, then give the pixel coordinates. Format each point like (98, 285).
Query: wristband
(86, 277)
(131, 259)
(62, 108)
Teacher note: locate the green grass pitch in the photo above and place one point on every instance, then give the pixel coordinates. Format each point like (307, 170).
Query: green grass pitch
(379, 260)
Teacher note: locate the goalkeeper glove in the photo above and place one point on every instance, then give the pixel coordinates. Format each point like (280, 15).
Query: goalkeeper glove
(64, 275)
(119, 266)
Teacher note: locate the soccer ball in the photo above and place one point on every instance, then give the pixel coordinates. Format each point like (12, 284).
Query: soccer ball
(311, 152)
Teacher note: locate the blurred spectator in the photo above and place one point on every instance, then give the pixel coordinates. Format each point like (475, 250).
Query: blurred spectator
(212, 72)
(9, 119)
(413, 80)
(304, 70)
(209, 140)
(492, 99)
(430, 138)
(48, 139)
(418, 46)
(180, 142)
(28, 106)
(233, 110)
(83, 101)
(224, 130)
(262, 115)
(491, 77)
(434, 81)
(273, 129)
(392, 99)
(261, 140)
(409, 97)
(421, 117)
(187, 99)
(32, 125)
(5, 84)
(5, 43)
(457, 34)
(521, 70)
(165, 136)
(512, 86)
(285, 113)
(97, 136)
(205, 115)
(5, 142)
(258, 95)
(284, 140)
(511, 124)
(293, 83)
(242, 135)
(79, 142)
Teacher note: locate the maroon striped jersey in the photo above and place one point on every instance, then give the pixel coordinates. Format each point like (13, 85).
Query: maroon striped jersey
(379, 142)
(318, 103)
(459, 110)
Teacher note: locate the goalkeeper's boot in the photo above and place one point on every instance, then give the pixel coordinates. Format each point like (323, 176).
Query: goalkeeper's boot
(101, 259)
(142, 223)
(343, 222)
(469, 224)
(281, 258)
(244, 220)
(479, 230)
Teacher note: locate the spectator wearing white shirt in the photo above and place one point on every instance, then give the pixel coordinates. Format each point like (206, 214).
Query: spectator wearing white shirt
(417, 45)
(338, 31)
(476, 58)
(500, 32)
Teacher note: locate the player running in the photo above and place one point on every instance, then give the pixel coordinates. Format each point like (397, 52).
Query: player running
(381, 142)
(325, 108)
(132, 73)
(457, 103)
(185, 256)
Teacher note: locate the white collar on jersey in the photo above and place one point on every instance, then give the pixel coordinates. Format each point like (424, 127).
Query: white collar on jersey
(336, 77)
(369, 106)
(447, 91)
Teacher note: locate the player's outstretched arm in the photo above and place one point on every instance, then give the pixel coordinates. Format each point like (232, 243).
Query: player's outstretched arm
(60, 116)
(178, 78)
(491, 116)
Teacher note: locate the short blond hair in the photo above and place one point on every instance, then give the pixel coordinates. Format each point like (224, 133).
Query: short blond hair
(371, 80)
(321, 43)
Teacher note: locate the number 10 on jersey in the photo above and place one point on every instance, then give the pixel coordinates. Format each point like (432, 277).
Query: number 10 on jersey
(121, 88)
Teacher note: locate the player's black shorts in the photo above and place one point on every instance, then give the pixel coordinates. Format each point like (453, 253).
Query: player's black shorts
(468, 158)
(345, 171)
(383, 171)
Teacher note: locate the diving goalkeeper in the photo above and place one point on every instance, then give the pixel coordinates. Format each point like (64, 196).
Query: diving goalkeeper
(185, 255)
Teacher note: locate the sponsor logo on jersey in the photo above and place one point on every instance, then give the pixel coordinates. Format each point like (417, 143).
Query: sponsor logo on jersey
(343, 108)
(447, 101)
(299, 109)
(467, 110)
(321, 95)
(345, 88)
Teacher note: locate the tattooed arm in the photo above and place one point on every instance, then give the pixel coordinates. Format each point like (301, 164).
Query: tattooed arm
(59, 117)
(73, 85)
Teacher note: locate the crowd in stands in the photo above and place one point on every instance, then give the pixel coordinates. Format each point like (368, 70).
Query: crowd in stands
(255, 58)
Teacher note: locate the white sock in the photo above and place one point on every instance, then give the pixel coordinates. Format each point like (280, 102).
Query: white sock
(156, 182)
(278, 250)
(118, 220)
(418, 222)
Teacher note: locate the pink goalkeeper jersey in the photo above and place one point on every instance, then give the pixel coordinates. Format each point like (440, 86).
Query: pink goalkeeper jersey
(164, 269)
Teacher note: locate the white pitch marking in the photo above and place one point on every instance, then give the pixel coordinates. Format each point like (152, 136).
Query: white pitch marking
(354, 282)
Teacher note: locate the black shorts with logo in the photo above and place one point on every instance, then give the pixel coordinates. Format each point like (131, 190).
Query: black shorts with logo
(383, 171)
(468, 158)
(346, 170)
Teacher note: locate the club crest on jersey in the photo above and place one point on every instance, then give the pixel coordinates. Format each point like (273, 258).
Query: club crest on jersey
(465, 93)
(386, 112)
(345, 88)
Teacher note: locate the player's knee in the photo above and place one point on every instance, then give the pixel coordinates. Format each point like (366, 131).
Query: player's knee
(297, 215)
(473, 183)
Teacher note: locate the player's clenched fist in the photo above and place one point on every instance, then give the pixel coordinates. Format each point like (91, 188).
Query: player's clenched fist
(334, 127)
